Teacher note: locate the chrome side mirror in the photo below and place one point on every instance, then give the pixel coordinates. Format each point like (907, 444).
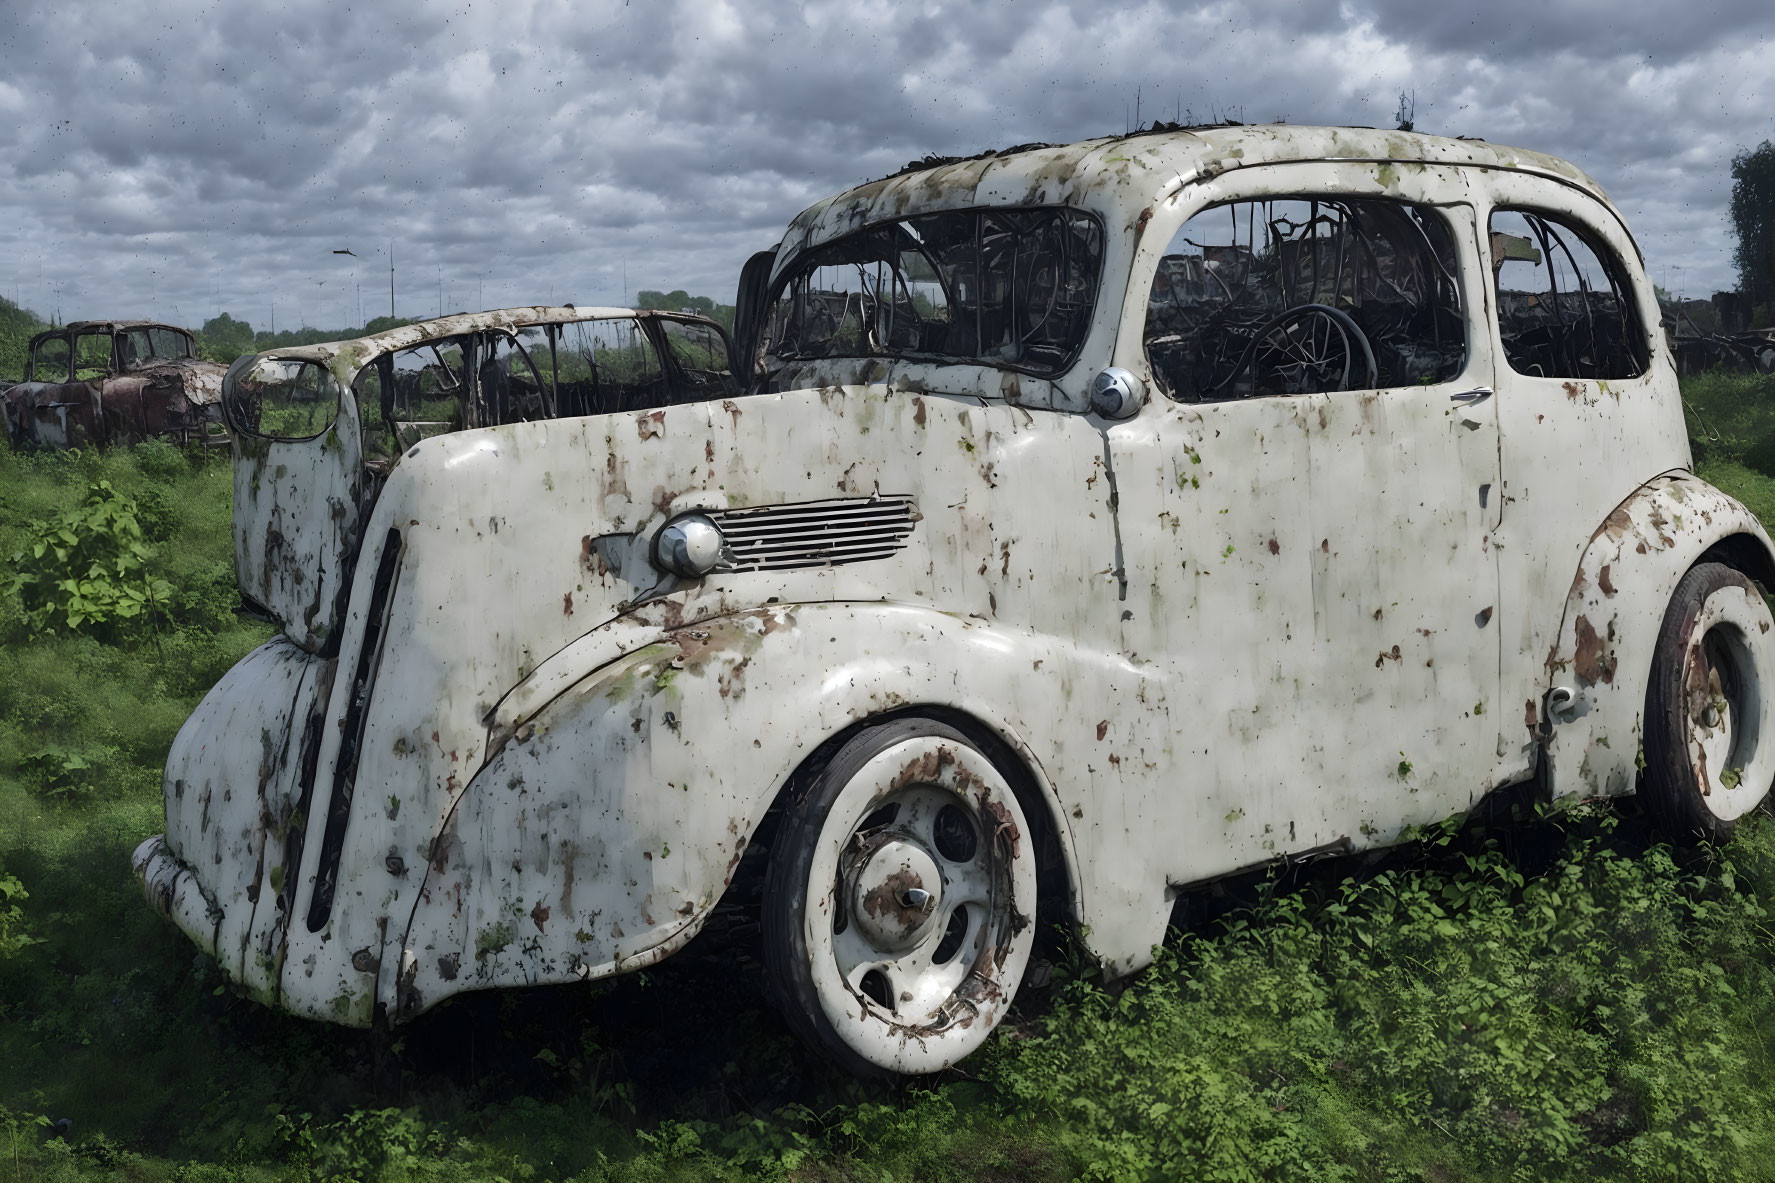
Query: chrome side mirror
(1115, 393)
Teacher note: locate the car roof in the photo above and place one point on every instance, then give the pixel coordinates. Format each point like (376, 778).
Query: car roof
(109, 326)
(356, 351)
(1119, 175)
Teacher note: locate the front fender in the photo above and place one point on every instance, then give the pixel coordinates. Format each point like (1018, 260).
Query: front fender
(613, 814)
(1592, 709)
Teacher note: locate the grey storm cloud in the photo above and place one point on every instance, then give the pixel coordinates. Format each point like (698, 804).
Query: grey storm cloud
(184, 157)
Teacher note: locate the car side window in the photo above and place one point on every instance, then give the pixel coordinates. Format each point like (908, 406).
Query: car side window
(169, 344)
(410, 395)
(1299, 295)
(136, 349)
(509, 388)
(92, 356)
(604, 366)
(701, 357)
(1564, 307)
(49, 361)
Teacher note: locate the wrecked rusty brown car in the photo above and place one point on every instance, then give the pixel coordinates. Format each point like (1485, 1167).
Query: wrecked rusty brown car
(113, 382)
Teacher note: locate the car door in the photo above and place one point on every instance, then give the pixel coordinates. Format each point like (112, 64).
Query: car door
(1306, 505)
(1585, 400)
(299, 492)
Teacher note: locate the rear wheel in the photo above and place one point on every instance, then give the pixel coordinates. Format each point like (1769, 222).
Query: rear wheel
(1710, 709)
(900, 902)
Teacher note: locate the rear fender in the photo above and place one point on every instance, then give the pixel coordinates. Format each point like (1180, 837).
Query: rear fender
(1591, 713)
(615, 809)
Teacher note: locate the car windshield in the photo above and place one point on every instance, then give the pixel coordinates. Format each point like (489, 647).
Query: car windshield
(1010, 288)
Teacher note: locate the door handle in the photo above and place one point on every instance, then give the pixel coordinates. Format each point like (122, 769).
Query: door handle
(1468, 397)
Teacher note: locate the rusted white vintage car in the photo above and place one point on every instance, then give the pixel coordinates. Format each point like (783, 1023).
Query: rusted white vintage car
(1094, 521)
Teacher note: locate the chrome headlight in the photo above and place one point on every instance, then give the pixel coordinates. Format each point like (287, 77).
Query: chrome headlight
(688, 546)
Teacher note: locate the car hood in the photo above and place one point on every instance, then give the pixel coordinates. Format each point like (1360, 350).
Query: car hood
(201, 380)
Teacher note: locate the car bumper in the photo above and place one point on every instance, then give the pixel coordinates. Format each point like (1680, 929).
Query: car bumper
(174, 892)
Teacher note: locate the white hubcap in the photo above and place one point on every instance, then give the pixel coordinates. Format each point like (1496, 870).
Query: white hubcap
(924, 879)
(1726, 701)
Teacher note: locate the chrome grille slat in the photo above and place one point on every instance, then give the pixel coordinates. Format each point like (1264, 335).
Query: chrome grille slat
(788, 521)
(737, 538)
(813, 533)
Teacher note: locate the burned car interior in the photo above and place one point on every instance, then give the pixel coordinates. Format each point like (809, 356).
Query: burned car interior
(1010, 288)
(1303, 295)
(1561, 312)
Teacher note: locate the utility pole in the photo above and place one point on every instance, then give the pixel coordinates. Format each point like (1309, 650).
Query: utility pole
(440, 289)
(391, 279)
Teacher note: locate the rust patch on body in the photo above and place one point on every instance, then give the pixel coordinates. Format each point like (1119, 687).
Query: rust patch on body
(1589, 660)
(539, 915)
(1602, 580)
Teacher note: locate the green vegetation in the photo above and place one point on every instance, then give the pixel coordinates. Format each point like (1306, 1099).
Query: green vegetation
(17, 327)
(1555, 998)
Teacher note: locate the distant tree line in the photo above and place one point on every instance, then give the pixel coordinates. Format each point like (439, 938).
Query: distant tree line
(1753, 221)
(223, 339)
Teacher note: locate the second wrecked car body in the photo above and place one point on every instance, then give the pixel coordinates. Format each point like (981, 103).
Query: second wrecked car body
(113, 382)
(1108, 518)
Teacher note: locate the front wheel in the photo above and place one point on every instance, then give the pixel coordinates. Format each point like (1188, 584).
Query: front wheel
(1710, 709)
(899, 906)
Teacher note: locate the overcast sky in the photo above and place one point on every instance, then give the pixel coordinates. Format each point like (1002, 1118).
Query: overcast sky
(180, 157)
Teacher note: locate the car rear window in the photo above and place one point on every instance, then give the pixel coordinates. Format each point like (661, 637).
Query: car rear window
(1564, 307)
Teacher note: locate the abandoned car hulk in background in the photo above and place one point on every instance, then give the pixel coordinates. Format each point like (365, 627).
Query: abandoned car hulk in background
(113, 382)
(1099, 520)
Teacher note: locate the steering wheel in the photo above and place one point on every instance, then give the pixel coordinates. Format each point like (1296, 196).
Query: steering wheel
(1311, 348)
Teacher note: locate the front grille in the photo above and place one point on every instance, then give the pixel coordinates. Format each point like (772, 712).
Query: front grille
(814, 533)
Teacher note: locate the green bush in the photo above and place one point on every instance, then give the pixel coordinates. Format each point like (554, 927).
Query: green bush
(13, 936)
(86, 570)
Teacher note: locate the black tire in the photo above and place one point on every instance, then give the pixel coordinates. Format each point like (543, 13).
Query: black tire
(1710, 677)
(799, 975)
